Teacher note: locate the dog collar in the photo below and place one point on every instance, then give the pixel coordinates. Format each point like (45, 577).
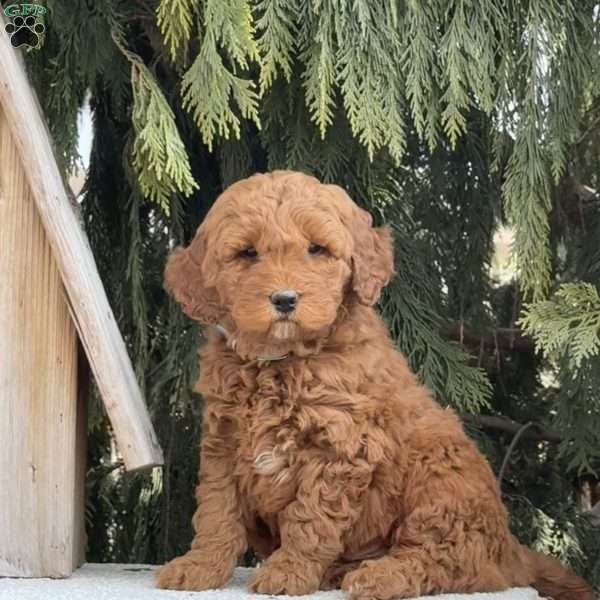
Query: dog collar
(261, 359)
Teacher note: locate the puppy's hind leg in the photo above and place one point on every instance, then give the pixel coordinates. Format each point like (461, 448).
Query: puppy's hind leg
(444, 545)
(410, 572)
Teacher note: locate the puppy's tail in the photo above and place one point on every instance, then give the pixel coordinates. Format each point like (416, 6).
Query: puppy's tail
(553, 580)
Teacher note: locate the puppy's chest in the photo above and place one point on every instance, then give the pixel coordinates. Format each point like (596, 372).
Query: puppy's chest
(282, 424)
(272, 438)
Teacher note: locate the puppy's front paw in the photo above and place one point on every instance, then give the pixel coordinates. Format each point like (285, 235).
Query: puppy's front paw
(283, 574)
(376, 580)
(193, 572)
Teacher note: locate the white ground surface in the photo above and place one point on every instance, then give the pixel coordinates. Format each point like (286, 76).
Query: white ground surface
(135, 582)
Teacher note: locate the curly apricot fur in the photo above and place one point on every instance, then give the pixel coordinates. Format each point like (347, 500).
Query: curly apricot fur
(335, 464)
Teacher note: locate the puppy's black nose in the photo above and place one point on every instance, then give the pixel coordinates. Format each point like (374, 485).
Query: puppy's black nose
(284, 300)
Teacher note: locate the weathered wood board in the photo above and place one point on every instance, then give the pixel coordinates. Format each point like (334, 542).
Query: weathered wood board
(42, 423)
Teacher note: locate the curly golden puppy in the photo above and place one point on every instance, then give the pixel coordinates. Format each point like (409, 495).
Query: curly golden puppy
(320, 448)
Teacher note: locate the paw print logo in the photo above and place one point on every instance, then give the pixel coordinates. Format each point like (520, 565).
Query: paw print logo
(24, 31)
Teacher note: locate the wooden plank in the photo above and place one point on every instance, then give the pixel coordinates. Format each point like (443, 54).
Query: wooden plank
(42, 429)
(93, 316)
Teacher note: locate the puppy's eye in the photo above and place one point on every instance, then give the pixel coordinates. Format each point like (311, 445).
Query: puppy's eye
(248, 253)
(316, 249)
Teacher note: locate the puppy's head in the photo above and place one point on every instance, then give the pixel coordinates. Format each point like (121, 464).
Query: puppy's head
(277, 255)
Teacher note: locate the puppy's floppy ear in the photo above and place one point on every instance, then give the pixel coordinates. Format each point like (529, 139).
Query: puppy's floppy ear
(188, 282)
(372, 258)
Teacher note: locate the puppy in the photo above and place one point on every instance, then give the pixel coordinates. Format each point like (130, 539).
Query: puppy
(320, 449)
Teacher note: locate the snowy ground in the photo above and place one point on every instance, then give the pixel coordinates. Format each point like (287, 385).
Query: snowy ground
(135, 582)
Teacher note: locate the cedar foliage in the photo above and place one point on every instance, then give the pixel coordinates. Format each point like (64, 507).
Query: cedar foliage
(446, 119)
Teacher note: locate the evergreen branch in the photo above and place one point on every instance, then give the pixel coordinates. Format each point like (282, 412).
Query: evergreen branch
(526, 188)
(232, 26)
(373, 98)
(453, 46)
(443, 366)
(534, 431)
(570, 56)
(577, 411)
(319, 75)
(422, 69)
(159, 157)
(277, 25)
(175, 19)
(567, 324)
(208, 86)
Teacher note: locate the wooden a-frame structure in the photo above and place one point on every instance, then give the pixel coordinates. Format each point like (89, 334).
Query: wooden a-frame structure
(51, 302)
